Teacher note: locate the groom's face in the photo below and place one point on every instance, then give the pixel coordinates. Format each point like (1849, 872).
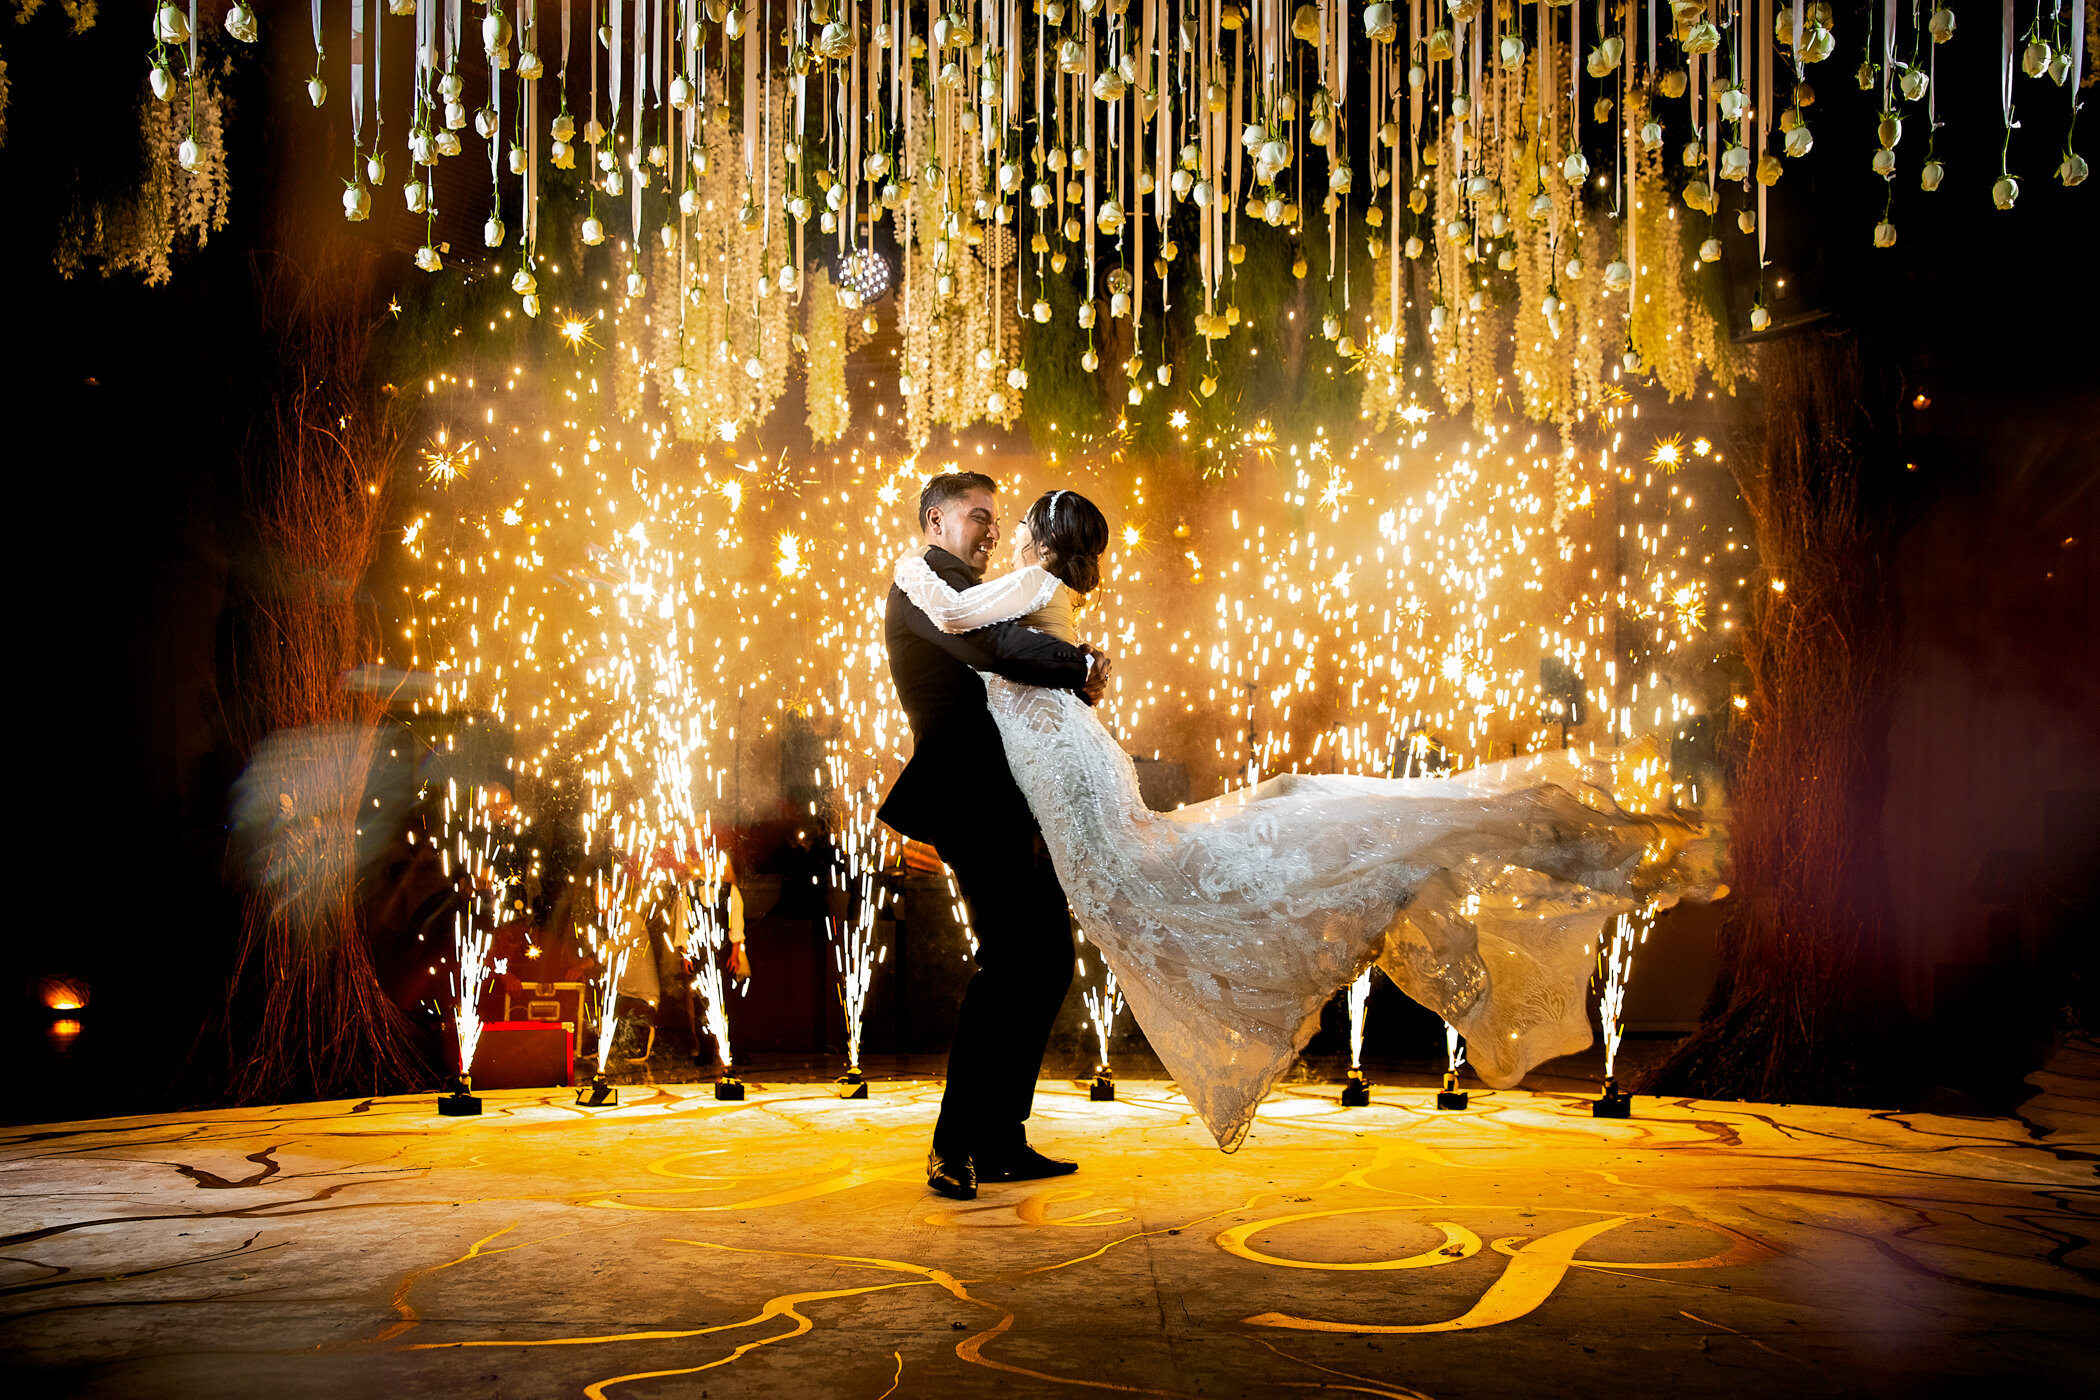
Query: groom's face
(967, 527)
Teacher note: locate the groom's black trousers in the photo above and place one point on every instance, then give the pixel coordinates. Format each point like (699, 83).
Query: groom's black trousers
(1024, 967)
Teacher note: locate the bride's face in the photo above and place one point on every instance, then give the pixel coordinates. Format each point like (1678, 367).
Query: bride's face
(1025, 551)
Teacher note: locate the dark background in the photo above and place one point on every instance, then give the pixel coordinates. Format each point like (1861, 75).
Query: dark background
(131, 410)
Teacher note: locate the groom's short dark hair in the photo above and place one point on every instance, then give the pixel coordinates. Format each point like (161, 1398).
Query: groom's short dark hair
(939, 490)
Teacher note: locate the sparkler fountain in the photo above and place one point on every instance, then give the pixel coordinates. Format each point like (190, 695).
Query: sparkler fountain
(1103, 1005)
(1614, 967)
(853, 947)
(1357, 1092)
(700, 933)
(473, 934)
(1451, 1096)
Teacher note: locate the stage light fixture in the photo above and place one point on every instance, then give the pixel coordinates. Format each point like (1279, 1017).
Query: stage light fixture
(1103, 1089)
(598, 1093)
(460, 1102)
(853, 1084)
(1615, 1102)
(729, 1088)
(1356, 1092)
(1451, 1096)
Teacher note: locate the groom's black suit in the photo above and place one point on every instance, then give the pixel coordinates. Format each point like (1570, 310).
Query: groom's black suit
(958, 795)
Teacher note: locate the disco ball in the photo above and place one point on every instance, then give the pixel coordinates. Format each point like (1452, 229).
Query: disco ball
(997, 248)
(866, 274)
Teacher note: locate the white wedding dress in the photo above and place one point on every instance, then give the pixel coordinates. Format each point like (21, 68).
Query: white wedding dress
(1230, 923)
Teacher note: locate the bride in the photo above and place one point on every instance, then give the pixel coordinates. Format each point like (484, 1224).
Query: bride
(1230, 923)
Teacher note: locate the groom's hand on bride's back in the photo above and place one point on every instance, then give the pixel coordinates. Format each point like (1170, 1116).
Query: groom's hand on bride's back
(1098, 667)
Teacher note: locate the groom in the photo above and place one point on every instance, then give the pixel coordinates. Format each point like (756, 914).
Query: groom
(958, 795)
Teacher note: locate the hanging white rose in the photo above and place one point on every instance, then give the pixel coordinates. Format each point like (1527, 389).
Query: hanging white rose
(447, 143)
(1110, 86)
(1540, 208)
(496, 32)
(530, 66)
(1929, 178)
(1735, 162)
(240, 23)
(455, 115)
(357, 202)
(593, 231)
(1673, 83)
(1710, 250)
(531, 305)
(1438, 315)
(1041, 311)
(1109, 217)
(2034, 59)
(2073, 170)
(492, 232)
(1413, 247)
(427, 258)
(485, 123)
(413, 195)
(1746, 220)
(1913, 83)
(1305, 24)
(452, 87)
(1732, 102)
(524, 283)
(1379, 24)
(161, 81)
(171, 25)
(636, 284)
(1884, 234)
(1573, 271)
(189, 155)
(563, 155)
(375, 168)
(1651, 135)
(1461, 107)
(1576, 167)
(1702, 38)
(1604, 58)
(2006, 191)
(1769, 169)
(316, 90)
(1885, 163)
(1941, 26)
(1511, 51)
(1618, 275)
(1799, 142)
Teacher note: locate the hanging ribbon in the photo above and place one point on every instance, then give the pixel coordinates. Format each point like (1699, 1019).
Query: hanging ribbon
(357, 78)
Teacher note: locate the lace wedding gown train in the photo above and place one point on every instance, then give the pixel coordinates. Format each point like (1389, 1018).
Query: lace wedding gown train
(1230, 923)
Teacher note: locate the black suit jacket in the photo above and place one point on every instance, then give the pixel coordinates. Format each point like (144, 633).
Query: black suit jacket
(957, 780)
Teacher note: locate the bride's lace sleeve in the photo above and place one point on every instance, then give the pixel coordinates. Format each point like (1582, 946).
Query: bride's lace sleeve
(996, 600)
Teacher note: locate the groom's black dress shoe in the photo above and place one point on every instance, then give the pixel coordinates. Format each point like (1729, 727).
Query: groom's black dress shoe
(1021, 1163)
(952, 1176)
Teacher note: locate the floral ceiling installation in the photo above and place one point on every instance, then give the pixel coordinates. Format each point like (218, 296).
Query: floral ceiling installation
(1523, 198)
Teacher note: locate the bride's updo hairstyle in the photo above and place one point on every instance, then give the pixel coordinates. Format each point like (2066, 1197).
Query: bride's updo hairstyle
(1071, 532)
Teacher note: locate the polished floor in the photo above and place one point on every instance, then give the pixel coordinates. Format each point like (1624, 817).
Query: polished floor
(787, 1246)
